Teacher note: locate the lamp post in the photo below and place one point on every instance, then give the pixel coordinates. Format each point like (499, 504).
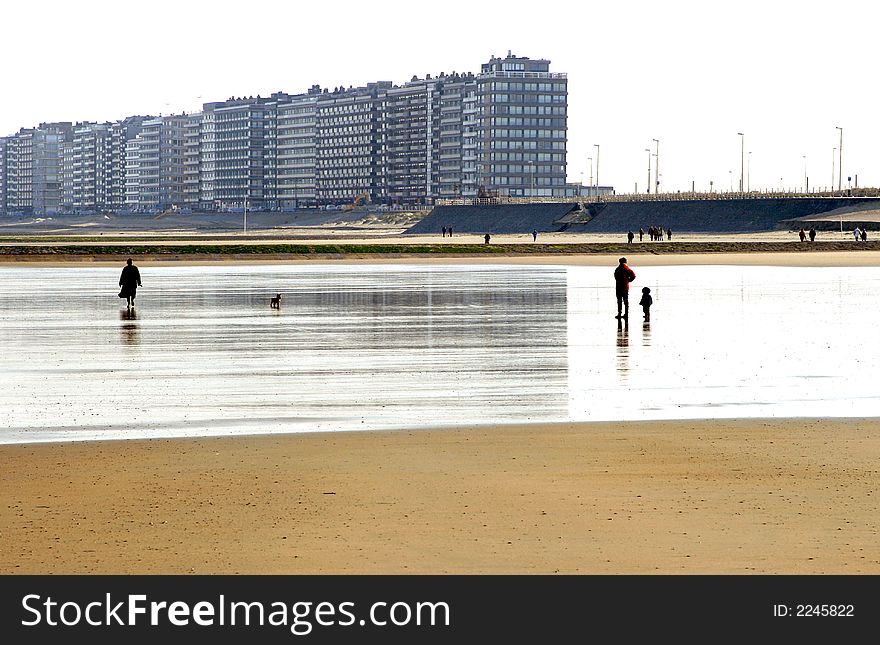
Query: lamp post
(749, 173)
(742, 161)
(833, 157)
(730, 172)
(656, 166)
(597, 171)
(245, 214)
(591, 174)
(648, 150)
(840, 160)
(806, 179)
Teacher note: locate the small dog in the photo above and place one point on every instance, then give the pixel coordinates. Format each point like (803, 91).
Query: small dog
(275, 303)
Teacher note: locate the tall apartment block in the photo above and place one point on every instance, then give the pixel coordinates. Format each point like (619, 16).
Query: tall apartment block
(296, 131)
(33, 174)
(4, 146)
(154, 165)
(238, 140)
(502, 131)
(350, 138)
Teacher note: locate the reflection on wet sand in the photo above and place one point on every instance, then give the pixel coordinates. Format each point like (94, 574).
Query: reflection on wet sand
(129, 330)
(422, 345)
(623, 348)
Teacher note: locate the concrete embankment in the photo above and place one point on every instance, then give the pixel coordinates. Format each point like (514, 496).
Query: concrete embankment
(691, 216)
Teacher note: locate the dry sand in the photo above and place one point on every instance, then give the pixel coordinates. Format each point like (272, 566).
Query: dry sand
(771, 496)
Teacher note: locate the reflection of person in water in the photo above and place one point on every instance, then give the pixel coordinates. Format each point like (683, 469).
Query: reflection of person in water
(129, 280)
(129, 326)
(623, 346)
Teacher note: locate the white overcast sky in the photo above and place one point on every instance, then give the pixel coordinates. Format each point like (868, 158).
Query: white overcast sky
(691, 74)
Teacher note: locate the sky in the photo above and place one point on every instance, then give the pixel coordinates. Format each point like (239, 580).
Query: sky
(690, 74)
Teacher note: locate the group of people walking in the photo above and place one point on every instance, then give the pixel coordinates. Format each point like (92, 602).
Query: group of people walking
(655, 233)
(804, 234)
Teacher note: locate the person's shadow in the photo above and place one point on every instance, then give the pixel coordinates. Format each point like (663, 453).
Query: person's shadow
(129, 329)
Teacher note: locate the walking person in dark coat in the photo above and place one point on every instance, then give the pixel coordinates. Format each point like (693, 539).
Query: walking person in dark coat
(129, 280)
(629, 237)
(812, 234)
(623, 275)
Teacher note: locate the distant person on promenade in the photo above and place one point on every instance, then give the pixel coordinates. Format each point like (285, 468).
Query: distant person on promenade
(129, 280)
(444, 231)
(487, 237)
(449, 230)
(668, 234)
(803, 235)
(534, 235)
(864, 234)
(812, 234)
(641, 233)
(623, 275)
(646, 303)
(629, 237)
(857, 234)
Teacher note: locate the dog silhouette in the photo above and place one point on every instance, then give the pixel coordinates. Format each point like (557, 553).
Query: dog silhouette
(275, 303)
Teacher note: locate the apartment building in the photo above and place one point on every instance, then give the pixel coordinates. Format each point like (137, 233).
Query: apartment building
(350, 138)
(502, 131)
(154, 165)
(297, 150)
(4, 145)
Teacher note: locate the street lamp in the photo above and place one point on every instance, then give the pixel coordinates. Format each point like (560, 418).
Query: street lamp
(840, 160)
(749, 173)
(833, 157)
(648, 150)
(245, 214)
(656, 167)
(597, 171)
(806, 179)
(730, 172)
(591, 174)
(742, 161)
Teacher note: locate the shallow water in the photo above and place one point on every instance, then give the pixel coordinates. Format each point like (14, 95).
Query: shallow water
(384, 346)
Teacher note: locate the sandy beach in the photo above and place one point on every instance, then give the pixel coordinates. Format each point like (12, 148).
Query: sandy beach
(714, 496)
(737, 497)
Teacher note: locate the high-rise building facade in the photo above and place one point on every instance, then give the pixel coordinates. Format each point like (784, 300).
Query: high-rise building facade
(296, 124)
(238, 153)
(34, 168)
(502, 131)
(4, 146)
(154, 165)
(350, 137)
(522, 141)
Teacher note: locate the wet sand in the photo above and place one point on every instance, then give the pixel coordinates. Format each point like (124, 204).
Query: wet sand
(756, 496)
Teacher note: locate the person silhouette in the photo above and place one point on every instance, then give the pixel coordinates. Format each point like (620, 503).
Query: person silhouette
(646, 303)
(623, 275)
(487, 237)
(812, 234)
(129, 280)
